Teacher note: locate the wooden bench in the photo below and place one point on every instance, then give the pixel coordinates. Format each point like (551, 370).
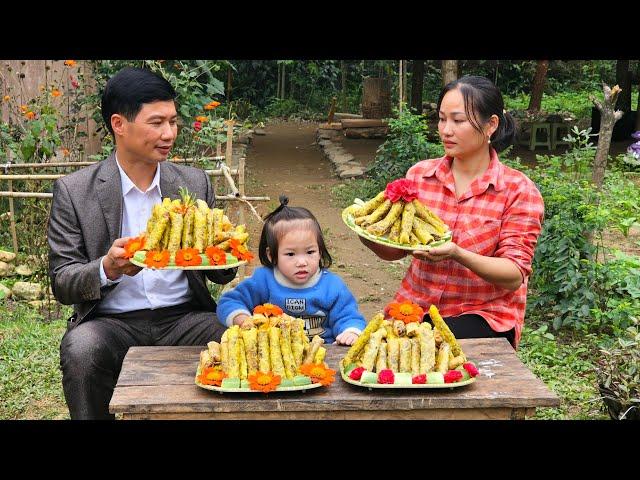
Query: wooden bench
(158, 383)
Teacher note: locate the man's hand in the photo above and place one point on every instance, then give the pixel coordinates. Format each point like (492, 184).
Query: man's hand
(114, 263)
(439, 253)
(346, 338)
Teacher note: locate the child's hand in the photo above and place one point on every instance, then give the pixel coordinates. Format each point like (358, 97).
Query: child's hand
(346, 338)
(243, 320)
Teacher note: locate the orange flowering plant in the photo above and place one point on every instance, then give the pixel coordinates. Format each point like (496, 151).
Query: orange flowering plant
(264, 382)
(212, 376)
(216, 256)
(268, 310)
(240, 251)
(319, 373)
(157, 259)
(406, 311)
(133, 245)
(188, 257)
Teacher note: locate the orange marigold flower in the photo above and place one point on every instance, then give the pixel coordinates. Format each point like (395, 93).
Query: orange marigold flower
(30, 115)
(24, 108)
(55, 92)
(157, 259)
(65, 152)
(133, 244)
(268, 309)
(264, 382)
(188, 257)
(6, 98)
(240, 251)
(318, 373)
(70, 63)
(406, 311)
(202, 118)
(216, 256)
(212, 376)
(212, 105)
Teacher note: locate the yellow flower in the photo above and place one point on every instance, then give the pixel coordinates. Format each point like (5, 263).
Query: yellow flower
(202, 118)
(55, 92)
(6, 98)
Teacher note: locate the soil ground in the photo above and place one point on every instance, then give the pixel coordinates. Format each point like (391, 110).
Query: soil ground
(287, 161)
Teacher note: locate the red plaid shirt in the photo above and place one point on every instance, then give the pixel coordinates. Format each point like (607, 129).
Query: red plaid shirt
(500, 215)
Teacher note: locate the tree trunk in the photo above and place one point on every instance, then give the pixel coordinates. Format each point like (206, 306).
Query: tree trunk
(417, 78)
(284, 79)
(343, 71)
(278, 88)
(535, 102)
(449, 71)
(623, 78)
(608, 117)
(229, 87)
(401, 82)
(638, 106)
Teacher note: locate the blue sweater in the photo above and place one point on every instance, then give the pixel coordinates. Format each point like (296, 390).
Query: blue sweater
(325, 302)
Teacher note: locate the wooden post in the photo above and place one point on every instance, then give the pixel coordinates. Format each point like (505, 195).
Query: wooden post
(332, 110)
(242, 269)
(343, 69)
(12, 220)
(229, 151)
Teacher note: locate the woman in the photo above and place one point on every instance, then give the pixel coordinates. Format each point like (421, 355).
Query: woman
(479, 280)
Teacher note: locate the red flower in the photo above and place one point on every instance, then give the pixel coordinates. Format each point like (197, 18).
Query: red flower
(387, 376)
(419, 379)
(74, 82)
(197, 126)
(401, 188)
(356, 373)
(470, 368)
(452, 376)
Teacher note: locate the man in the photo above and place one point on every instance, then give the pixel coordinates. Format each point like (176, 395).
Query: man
(94, 212)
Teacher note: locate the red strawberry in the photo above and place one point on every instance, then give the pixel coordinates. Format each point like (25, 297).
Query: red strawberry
(386, 376)
(419, 379)
(356, 373)
(470, 368)
(452, 376)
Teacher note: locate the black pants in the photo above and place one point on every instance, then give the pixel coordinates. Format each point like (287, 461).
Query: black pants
(91, 353)
(474, 326)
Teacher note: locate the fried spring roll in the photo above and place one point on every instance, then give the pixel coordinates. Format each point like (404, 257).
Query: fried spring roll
(447, 335)
(205, 359)
(316, 343)
(427, 348)
(250, 338)
(264, 353)
(199, 230)
(369, 206)
(242, 359)
(285, 348)
(442, 363)
(187, 227)
(388, 326)
(405, 355)
(277, 366)
(214, 351)
(394, 233)
(380, 228)
(371, 353)
(393, 353)
(399, 328)
(377, 214)
(415, 356)
(455, 362)
(160, 226)
(412, 329)
(224, 351)
(234, 355)
(175, 234)
(381, 360)
(428, 216)
(297, 341)
(320, 355)
(407, 222)
(421, 232)
(363, 339)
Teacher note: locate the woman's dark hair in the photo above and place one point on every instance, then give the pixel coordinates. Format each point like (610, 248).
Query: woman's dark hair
(481, 100)
(129, 89)
(273, 230)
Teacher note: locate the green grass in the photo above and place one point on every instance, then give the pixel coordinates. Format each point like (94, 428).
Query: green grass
(30, 377)
(565, 363)
(577, 103)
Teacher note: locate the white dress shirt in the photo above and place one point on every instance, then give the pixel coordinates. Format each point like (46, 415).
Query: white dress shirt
(149, 288)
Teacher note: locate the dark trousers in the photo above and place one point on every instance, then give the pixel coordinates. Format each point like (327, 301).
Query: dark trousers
(91, 353)
(474, 326)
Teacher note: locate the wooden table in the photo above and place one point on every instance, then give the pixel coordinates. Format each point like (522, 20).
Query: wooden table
(158, 383)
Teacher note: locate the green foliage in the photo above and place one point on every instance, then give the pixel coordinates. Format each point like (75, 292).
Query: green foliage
(618, 375)
(405, 145)
(30, 377)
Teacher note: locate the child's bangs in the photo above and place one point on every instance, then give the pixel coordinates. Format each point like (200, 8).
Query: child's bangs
(282, 227)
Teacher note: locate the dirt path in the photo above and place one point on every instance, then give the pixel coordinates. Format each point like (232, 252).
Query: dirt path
(286, 160)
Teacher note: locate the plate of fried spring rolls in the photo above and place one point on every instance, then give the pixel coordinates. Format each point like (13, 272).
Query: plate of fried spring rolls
(406, 354)
(276, 344)
(400, 224)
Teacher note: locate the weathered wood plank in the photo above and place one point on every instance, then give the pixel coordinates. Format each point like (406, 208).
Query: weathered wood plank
(363, 122)
(161, 380)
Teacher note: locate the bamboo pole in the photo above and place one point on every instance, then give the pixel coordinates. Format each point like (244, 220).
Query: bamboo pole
(242, 269)
(50, 195)
(229, 151)
(32, 177)
(12, 221)
(85, 164)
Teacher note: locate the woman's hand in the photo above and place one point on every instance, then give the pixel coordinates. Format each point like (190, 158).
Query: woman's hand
(448, 250)
(346, 338)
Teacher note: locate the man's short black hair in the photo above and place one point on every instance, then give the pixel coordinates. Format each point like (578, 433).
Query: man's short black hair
(129, 89)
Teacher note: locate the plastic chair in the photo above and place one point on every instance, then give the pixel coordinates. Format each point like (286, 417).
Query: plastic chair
(558, 130)
(540, 127)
